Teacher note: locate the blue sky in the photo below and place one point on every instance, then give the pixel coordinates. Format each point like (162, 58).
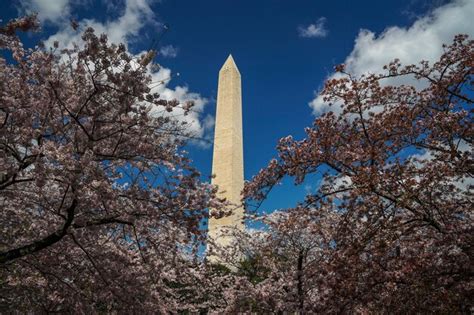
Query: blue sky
(284, 50)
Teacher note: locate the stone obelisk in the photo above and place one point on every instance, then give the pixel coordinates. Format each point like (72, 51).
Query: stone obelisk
(227, 161)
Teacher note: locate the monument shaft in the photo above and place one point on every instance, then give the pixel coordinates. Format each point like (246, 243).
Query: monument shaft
(227, 162)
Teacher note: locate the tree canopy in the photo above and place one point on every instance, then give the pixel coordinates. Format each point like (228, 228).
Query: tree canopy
(100, 205)
(102, 210)
(389, 230)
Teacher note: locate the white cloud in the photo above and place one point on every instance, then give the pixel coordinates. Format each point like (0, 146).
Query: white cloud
(126, 27)
(336, 183)
(168, 51)
(54, 11)
(209, 122)
(314, 30)
(421, 41)
(136, 15)
(195, 126)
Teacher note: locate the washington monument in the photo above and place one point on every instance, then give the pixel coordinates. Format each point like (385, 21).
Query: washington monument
(227, 161)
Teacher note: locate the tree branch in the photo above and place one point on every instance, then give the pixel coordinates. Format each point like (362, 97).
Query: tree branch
(43, 243)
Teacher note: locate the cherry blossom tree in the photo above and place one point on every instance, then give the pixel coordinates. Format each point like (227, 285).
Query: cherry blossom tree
(101, 209)
(390, 228)
(281, 262)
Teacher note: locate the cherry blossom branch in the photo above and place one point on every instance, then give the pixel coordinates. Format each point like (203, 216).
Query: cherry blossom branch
(43, 243)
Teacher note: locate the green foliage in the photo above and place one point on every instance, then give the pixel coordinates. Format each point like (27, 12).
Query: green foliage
(252, 268)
